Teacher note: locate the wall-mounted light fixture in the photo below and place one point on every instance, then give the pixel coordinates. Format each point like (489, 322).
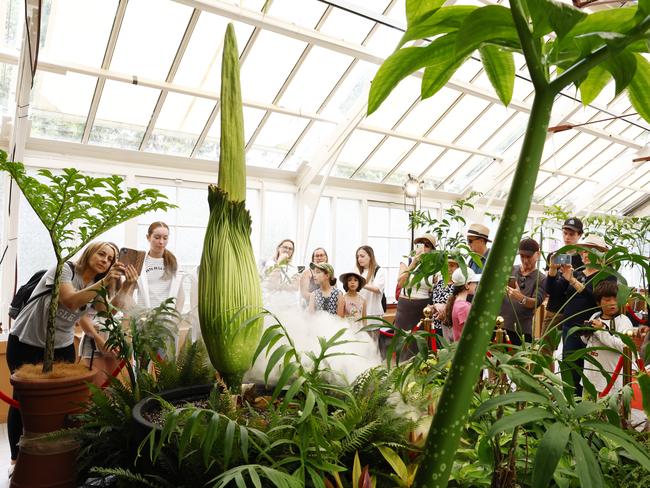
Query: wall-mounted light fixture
(412, 201)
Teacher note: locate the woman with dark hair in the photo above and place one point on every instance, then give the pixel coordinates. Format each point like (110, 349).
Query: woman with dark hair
(160, 278)
(375, 277)
(80, 283)
(307, 283)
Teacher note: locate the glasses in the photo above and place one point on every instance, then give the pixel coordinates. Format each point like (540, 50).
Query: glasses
(286, 248)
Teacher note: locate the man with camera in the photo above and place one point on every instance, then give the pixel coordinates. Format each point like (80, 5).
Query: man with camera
(525, 292)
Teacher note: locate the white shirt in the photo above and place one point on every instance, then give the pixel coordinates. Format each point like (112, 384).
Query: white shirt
(158, 287)
(373, 299)
(607, 359)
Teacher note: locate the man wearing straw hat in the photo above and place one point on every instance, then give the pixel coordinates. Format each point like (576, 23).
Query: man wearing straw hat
(478, 235)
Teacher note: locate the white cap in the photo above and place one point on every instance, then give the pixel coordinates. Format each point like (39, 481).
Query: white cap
(458, 278)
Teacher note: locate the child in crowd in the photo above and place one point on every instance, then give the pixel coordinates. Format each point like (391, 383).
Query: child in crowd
(326, 297)
(605, 322)
(459, 302)
(352, 305)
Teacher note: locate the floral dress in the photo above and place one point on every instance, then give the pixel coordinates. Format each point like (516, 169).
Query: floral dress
(353, 309)
(440, 294)
(327, 304)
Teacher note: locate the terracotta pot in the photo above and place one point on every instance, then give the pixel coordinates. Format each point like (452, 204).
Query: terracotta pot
(45, 406)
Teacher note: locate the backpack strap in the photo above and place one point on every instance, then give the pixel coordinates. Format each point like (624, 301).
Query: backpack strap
(49, 287)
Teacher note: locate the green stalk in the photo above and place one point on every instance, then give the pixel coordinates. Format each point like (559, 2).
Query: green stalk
(48, 358)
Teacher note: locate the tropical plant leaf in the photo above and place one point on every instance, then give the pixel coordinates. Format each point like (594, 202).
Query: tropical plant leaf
(499, 65)
(586, 465)
(621, 438)
(518, 418)
(593, 84)
(638, 87)
(416, 9)
(644, 384)
(550, 450)
(442, 65)
(492, 24)
(548, 15)
(509, 398)
(446, 19)
(395, 461)
(622, 67)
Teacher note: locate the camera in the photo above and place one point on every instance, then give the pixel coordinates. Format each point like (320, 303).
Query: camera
(562, 259)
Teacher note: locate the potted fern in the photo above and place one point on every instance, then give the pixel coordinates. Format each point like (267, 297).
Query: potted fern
(75, 209)
(562, 46)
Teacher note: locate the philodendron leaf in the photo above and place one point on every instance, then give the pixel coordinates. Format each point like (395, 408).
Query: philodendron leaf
(441, 67)
(550, 450)
(548, 15)
(593, 84)
(622, 67)
(492, 24)
(446, 19)
(638, 87)
(499, 65)
(416, 9)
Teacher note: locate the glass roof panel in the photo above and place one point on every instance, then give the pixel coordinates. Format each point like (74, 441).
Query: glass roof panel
(147, 48)
(631, 200)
(603, 158)
(179, 124)
(397, 11)
(427, 112)
(8, 74)
(444, 166)
(201, 63)
(265, 70)
(60, 105)
(483, 129)
(346, 26)
(320, 81)
(65, 23)
(564, 154)
(581, 163)
(123, 114)
(277, 136)
(210, 147)
(416, 162)
(351, 90)
(617, 203)
(304, 13)
(616, 166)
(383, 40)
(398, 102)
(384, 158)
(310, 146)
(11, 23)
(508, 134)
(549, 186)
(459, 118)
(468, 71)
(355, 151)
(465, 173)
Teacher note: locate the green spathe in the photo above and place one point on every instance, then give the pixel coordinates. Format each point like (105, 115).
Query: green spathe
(230, 297)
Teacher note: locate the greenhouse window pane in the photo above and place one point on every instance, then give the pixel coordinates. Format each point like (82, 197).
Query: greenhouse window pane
(383, 40)
(149, 38)
(384, 159)
(616, 203)
(615, 167)
(320, 234)
(12, 20)
(277, 136)
(572, 149)
(508, 134)
(320, 81)
(304, 13)
(210, 147)
(123, 114)
(346, 26)
(415, 163)
(70, 21)
(444, 166)
(267, 66)
(60, 105)
(549, 186)
(310, 146)
(201, 63)
(397, 11)
(355, 151)
(597, 162)
(279, 220)
(457, 120)
(465, 175)
(590, 153)
(427, 112)
(351, 90)
(8, 74)
(468, 71)
(483, 129)
(348, 233)
(179, 124)
(399, 101)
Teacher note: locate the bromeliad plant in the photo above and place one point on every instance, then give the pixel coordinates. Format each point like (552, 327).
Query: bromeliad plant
(75, 209)
(584, 50)
(230, 296)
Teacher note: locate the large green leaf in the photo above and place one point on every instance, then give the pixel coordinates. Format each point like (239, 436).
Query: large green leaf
(518, 418)
(610, 20)
(620, 437)
(416, 9)
(499, 65)
(550, 450)
(407, 60)
(622, 67)
(593, 84)
(644, 384)
(638, 87)
(447, 19)
(509, 398)
(587, 466)
(441, 68)
(548, 15)
(492, 24)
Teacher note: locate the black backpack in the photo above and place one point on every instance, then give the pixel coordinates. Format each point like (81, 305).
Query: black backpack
(24, 294)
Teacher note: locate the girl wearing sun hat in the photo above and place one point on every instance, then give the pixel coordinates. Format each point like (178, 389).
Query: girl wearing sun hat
(352, 305)
(458, 305)
(327, 296)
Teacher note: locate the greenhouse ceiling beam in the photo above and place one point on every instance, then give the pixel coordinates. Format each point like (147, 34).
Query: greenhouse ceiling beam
(173, 69)
(215, 110)
(106, 63)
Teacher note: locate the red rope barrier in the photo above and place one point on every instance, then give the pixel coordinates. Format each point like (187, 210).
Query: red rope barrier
(635, 316)
(12, 403)
(617, 371)
(114, 374)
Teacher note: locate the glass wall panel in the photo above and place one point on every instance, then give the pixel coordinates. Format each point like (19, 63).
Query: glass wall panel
(348, 234)
(279, 212)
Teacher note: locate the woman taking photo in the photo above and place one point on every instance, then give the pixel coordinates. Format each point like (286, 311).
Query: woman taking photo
(307, 282)
(80, 283)
(160, 278)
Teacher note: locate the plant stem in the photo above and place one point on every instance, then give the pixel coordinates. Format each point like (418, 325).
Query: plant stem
(48, 358)
(451, 415)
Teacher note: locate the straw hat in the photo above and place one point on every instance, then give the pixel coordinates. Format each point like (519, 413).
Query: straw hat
(594, 241)
(344, 279)
(479, 230)
(458, 278)
(426, 238)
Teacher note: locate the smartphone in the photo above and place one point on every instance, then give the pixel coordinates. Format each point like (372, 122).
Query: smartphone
(512, 282)
(562, 259)
(133, 257)
(301, 269)
(419, 246)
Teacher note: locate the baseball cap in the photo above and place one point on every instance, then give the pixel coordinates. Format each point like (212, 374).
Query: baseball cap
(458, 278)
(573, 223)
